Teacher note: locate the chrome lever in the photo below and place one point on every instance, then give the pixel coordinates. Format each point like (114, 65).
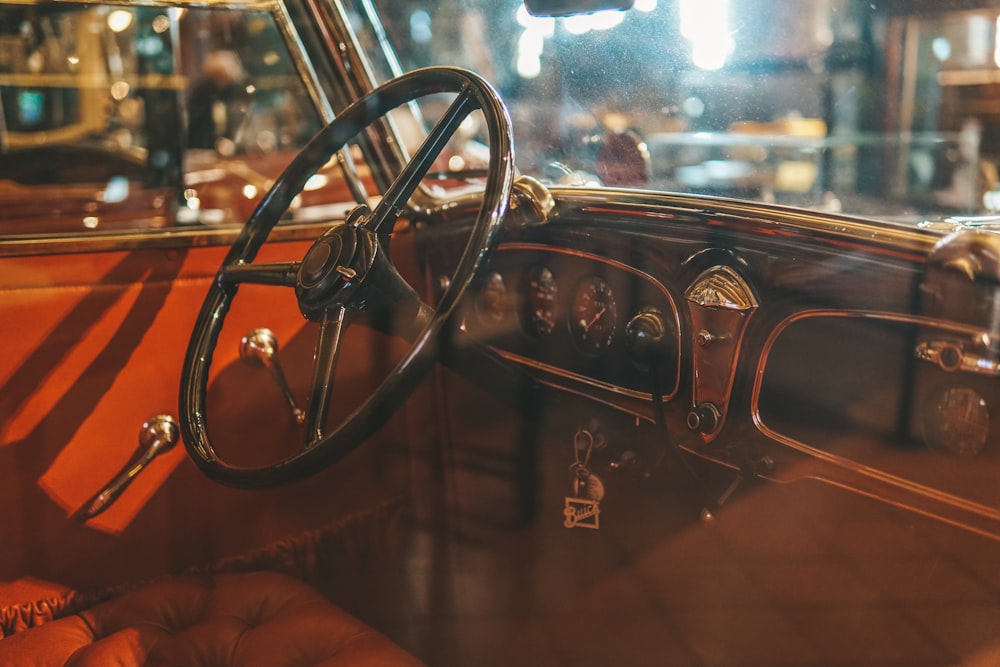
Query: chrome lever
(260, 348)
(156, 436)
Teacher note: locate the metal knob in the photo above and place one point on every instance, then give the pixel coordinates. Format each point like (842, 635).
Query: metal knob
(156, 436)
(260, 348)
(704, 418)
(645, 337)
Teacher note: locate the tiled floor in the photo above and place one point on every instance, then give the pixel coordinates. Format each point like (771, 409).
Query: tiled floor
(799, 574)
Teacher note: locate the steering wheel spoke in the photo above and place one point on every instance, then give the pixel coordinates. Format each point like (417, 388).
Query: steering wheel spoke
(394, 199)
(331, 329)
(347, 276)
(282, 274)
(422, 317)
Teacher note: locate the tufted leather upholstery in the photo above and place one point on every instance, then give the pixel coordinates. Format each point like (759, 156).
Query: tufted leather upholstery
(222, 620)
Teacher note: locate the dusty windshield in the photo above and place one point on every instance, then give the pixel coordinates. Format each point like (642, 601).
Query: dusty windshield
(872, 108)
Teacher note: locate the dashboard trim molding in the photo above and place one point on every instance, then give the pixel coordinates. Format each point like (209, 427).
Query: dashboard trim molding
(646, 277)
(855, 474)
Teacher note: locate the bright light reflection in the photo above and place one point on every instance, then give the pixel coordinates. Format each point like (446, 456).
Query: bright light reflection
(119, 20)
(120, 90)
(532, 42)
(583, 23)
(978, 36)
(546, 25)
(315, 182)
(116, 190)
(941, 48)
(645, 5)
(996, 44)
(420, 27)
(705, 23)
(161, 24)
(529, 52)
(191, 199)
(536, 29)
(469, 124)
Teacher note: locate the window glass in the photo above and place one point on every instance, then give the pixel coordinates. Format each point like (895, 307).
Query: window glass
(118, 117)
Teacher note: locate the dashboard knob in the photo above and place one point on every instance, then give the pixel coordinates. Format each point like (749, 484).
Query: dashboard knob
(645, 336)
(704, 418)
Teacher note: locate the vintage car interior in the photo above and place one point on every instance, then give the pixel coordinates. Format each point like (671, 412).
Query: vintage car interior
(560, 332)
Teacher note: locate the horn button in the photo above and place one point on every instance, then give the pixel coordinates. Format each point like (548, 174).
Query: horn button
(316, 264)
(333, 268)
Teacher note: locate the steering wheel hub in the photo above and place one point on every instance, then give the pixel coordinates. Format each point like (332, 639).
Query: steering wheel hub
(316, 264)
(334, 266)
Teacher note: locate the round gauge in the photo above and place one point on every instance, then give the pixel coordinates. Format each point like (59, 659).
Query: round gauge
(538, 315)
(491, 304)
(593, 314)
(957, 420)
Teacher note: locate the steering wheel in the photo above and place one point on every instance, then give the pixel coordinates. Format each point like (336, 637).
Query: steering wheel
(347, 275)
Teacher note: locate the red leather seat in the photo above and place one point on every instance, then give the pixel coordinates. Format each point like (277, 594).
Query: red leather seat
(221, 620)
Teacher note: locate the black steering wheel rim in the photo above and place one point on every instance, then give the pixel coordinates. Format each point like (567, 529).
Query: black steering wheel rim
(474, 93)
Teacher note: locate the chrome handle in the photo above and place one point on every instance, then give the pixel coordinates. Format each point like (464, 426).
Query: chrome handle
(953, 355)
(157, 435)
(260, 348)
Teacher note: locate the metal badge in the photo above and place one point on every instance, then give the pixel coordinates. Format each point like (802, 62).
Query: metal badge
(583, 508)
(582, 513)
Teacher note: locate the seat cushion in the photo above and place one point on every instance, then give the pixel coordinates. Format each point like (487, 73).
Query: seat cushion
(222, 620)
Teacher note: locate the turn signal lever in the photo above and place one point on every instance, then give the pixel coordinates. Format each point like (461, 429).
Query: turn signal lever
(260, 348)
(156, 436)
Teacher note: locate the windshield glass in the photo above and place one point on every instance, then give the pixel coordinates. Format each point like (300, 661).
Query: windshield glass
(873, 108)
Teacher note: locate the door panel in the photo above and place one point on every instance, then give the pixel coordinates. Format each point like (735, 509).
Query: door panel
(95, 347)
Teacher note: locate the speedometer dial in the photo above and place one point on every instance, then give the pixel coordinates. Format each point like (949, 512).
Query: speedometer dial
(593, 315)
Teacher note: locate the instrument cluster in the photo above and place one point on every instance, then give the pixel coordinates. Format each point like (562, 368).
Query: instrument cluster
(569, 315)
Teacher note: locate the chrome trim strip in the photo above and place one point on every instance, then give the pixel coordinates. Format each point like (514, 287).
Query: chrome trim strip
(304, 67)
(381, 145)
(264, 5)
(575, 377)
(590, 397)
(170, 238)
(308, 73)
(906, 241)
